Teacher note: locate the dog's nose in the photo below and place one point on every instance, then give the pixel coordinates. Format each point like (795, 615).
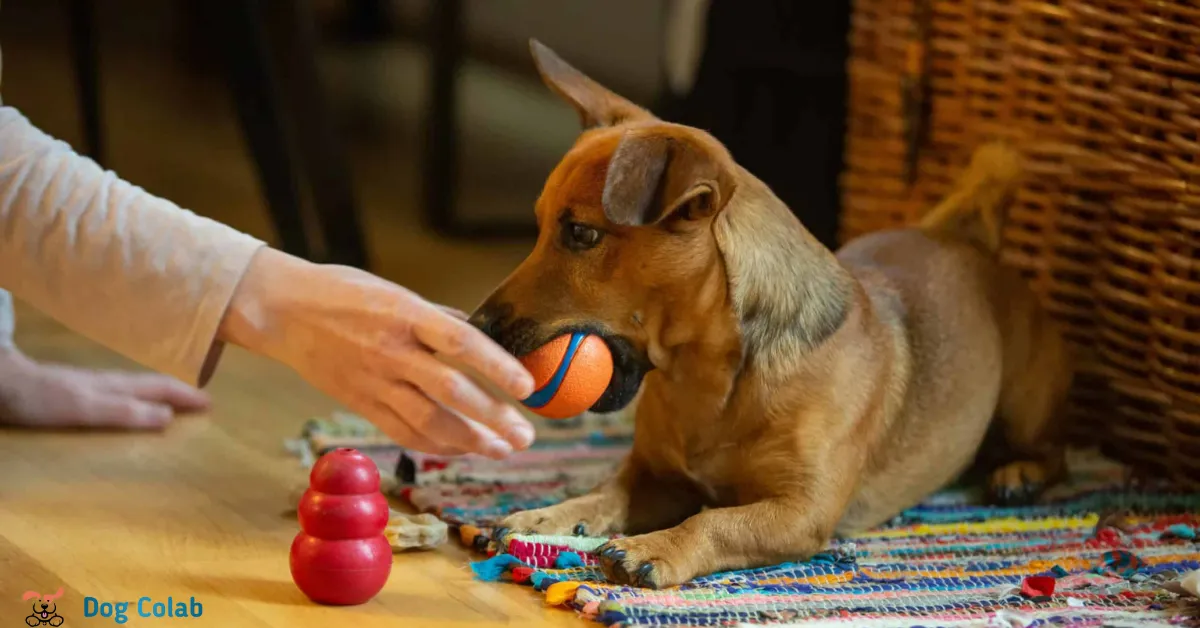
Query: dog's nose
(45, 606)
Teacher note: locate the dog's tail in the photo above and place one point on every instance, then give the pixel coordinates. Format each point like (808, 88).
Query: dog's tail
(975, 208)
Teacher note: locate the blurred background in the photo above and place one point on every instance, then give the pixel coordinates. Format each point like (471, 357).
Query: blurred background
(412, 137)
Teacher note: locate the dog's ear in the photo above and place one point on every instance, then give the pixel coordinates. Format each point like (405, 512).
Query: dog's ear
(29, 595)
(655, 175)
(597, 106)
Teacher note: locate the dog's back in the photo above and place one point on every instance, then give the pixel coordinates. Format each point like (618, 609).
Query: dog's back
(961, 317)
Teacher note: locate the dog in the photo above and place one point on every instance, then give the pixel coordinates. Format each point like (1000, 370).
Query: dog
(785, 394)
(45, 611)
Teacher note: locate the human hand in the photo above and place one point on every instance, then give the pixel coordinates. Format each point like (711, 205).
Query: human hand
(39, 395)
(374, 346)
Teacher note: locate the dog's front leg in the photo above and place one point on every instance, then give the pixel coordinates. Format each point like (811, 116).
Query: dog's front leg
(721, 539)
(631, 502)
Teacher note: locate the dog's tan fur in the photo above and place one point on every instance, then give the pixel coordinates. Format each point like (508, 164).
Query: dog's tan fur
(795, 394)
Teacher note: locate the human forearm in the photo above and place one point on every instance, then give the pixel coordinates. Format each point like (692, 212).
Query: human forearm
(109, 260)
(252, 319)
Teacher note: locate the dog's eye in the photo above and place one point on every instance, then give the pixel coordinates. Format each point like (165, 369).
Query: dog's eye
(579, 237)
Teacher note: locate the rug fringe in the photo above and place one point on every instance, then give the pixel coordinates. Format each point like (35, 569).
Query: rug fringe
(561, 593)
(492, 569)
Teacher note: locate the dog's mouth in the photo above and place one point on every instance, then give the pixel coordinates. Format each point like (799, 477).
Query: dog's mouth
(522, 336)
(629, 368)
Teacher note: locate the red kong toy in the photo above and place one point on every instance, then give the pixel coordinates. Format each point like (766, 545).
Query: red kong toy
(340, 555)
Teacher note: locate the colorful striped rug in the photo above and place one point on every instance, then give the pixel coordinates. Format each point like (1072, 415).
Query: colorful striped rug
(1099, 551)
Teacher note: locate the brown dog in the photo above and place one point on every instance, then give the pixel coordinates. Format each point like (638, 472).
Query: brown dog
(789, 394)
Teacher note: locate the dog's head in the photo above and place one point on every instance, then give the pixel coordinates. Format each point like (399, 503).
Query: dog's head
(43, 605)
(626, 248)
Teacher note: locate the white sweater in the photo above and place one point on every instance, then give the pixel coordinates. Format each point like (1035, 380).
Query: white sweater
(127, 269)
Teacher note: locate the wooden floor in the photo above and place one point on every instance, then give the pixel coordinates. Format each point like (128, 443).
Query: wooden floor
(199, 511)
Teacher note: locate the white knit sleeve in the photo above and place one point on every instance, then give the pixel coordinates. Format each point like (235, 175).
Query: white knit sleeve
(125, 268)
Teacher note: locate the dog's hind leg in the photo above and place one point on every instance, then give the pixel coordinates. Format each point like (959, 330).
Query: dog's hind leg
(1032, 423)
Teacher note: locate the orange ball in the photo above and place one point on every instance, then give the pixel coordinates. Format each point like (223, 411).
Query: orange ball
(570, 374)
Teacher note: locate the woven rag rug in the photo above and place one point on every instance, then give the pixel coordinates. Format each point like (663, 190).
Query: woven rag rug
(1097, 551)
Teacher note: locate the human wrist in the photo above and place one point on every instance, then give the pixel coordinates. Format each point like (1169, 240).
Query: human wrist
(249, 321)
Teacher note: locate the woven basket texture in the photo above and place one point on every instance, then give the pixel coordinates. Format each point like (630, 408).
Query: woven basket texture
(1103, 99)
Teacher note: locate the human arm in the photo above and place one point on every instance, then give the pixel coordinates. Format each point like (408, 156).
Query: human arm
(168, 288)
(114, 263)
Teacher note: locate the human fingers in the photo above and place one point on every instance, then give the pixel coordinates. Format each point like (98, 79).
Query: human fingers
(396, 429)
(455, 312)
(159, 389)
(382, 416)
(115, 410)
(445, 428)
(452, 389)
(459, 340)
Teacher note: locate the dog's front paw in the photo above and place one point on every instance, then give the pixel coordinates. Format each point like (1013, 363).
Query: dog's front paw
(540, 521)
(578, 517)
(1018, 483)
(654, 561)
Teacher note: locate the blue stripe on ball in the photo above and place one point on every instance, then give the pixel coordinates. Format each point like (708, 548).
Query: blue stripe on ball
(543, 396)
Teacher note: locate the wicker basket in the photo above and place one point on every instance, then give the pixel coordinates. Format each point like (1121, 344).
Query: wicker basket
(1103, 97)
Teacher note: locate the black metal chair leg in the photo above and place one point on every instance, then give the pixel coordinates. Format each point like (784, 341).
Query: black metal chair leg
(445, 41)
(321, 152)
(441, 156)
(85, 57)
(243, 41)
